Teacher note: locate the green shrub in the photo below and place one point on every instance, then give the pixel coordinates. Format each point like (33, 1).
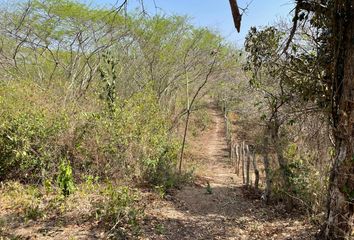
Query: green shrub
(28, 131)
(308, 186)
(132, 140)
(65, 178)
(119, 211)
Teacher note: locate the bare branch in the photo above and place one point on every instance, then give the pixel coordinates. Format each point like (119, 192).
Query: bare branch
(236, 14)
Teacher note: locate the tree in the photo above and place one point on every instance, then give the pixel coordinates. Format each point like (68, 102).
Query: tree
(334, 20)
(266, 68)
(58, 39)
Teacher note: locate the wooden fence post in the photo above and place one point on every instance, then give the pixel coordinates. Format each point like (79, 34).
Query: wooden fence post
(248, 158)
(243, 162)
(256, 171)
(237, 163)
(232, 156)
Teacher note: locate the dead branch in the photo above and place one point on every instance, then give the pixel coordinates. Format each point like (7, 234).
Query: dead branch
(236, 14)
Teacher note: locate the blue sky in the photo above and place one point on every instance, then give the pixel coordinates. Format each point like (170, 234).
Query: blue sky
(216, 14)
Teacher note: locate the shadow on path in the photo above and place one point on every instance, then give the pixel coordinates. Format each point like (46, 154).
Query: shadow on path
(191, 213)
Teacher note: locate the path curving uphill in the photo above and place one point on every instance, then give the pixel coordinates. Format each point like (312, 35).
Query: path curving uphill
(193, 213)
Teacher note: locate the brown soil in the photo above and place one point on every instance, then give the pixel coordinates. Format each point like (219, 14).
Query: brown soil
(192, 213)
(189, 213)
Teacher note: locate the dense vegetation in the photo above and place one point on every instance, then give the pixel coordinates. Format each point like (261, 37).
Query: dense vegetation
(104, 92)
(95, 96)
(309, 71)
(98, 103)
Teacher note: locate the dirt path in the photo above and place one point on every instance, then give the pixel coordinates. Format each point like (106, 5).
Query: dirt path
(192, 213)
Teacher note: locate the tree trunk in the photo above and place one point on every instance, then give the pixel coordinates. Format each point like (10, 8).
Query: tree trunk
(184, 141)
(340, 208)
(189, 109)
(278, 146)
